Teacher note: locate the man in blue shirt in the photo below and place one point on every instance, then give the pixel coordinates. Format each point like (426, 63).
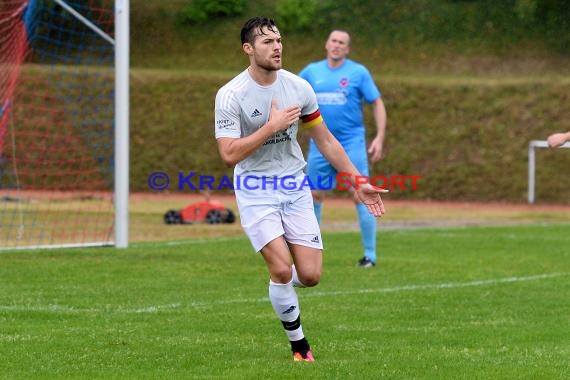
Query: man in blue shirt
(341, 85)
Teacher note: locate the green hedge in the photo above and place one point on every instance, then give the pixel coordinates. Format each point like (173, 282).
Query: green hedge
(397, 36)
(448, 119)
(467, 139)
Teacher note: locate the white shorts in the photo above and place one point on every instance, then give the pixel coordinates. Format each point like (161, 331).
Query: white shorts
(266, 214)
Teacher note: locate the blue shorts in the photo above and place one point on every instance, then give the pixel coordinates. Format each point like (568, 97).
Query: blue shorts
(319, 169)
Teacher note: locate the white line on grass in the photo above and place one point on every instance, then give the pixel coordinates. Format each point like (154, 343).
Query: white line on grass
(187, 242)
(153, 309)
(158, 308)
(54, 308)
(403, 288)
(448, 285)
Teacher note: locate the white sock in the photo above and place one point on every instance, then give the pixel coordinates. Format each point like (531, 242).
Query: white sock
(286, 305)
(296, 282)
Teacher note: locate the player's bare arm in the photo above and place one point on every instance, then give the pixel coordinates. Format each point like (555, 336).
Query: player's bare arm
(334, 152)
(376, 147)
(234, 150)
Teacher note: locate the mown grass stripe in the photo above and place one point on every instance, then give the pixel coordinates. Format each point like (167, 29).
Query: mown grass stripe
(54, 308)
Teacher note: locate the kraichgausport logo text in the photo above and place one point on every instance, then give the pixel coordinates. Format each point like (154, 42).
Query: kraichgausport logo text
(342, 181)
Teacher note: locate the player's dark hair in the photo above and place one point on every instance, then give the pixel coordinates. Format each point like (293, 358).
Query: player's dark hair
(253, 25)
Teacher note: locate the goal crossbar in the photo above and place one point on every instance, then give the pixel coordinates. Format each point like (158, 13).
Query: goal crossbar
(85, 21)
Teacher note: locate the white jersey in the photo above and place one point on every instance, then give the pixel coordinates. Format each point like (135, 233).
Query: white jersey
(243, 106)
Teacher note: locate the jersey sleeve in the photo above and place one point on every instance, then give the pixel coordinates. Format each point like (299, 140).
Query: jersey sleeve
(310, 114)
(227, 118)
(369, 89)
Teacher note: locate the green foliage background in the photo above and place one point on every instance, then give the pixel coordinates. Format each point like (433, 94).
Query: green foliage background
(467, 85)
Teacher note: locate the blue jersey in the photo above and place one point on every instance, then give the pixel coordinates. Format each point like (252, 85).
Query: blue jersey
(340, 92)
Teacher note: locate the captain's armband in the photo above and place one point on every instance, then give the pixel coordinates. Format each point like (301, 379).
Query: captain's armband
(309, 121)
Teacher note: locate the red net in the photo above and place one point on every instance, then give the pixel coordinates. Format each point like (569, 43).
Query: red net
(56, 123)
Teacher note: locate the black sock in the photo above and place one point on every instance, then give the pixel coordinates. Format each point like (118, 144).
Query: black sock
(300, 345)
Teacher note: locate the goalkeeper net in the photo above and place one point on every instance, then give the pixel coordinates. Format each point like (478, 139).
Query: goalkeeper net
(56, 123)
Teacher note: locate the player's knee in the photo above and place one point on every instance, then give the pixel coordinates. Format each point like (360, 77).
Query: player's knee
(311, 279)
(281, 275)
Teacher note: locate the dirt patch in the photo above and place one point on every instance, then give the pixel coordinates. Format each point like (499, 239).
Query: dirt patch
(147, 210)
(422, 209)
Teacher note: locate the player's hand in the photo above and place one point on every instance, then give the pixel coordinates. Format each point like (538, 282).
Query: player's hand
(370, 196)
(557, 139)
(281, 119)
(375, 150)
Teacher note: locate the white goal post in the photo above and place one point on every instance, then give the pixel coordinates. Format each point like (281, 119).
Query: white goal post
(534, 144)
(122, 64)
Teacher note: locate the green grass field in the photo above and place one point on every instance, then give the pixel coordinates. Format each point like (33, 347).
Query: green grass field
(486, 295)
(448, 303)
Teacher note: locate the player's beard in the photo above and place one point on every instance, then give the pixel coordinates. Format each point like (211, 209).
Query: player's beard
(270, 65)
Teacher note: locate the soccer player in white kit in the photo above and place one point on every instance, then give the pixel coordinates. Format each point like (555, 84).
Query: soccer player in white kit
(257, 117)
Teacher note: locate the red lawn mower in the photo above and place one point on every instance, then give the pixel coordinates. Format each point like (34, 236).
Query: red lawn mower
(210, 212)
